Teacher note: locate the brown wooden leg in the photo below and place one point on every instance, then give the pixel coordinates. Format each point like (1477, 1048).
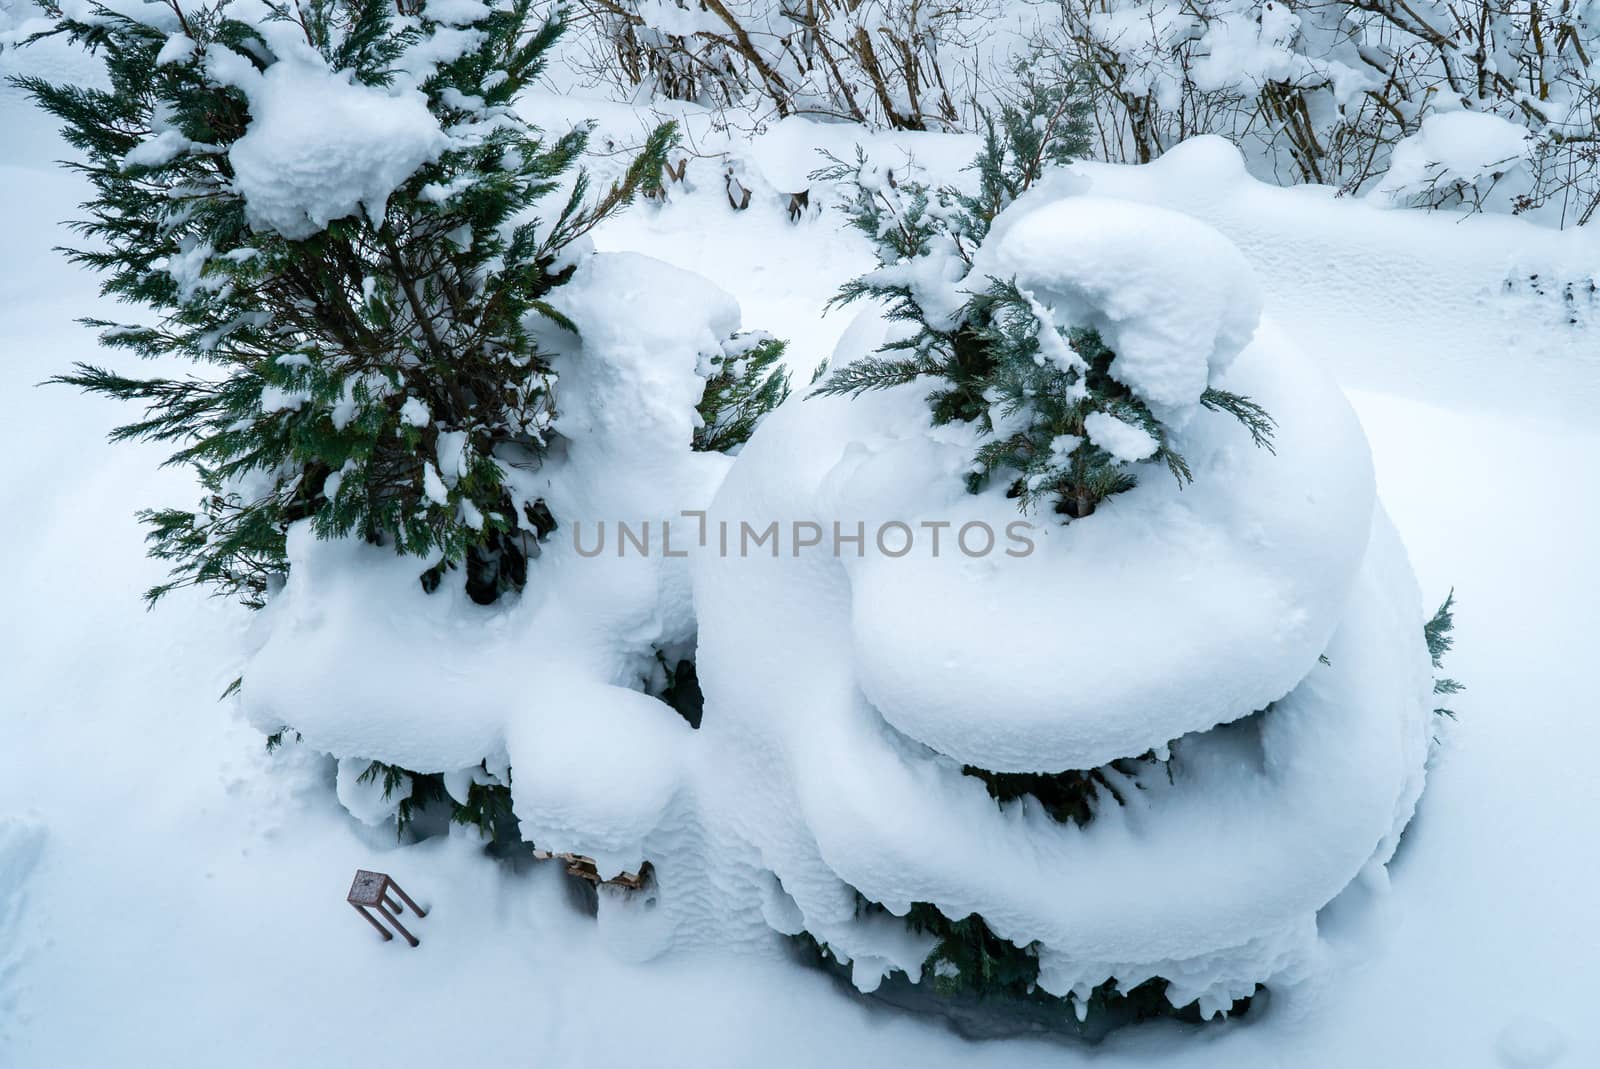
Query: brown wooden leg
(393, 906)
(418, 910)
(392, 919)
(372, 921)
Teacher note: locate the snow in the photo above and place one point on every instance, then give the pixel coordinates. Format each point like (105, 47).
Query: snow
(1119, 438)
(227, 863)
(1268, 561)
(1199, 604)
(1173, 298)
(1457, 295)
(321, 146)
(360, 660)
(595, 770)
(679, 20)
(415, 412)
(178, 49)
(21, 842)
(369, 800)
(1454, 146)
(1258, 844)
(456, 12)
(1530, 1043)
(164, 147)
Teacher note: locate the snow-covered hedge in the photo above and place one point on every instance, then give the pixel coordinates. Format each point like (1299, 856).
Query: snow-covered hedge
(1363, 96)
(906, 64)
(1488, 105)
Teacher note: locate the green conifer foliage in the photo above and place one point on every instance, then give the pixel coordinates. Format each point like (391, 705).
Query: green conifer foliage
(1070, 797)
(970, 964)
(336, 373)
(745, 383)
(1438, 632)
(1000, 363)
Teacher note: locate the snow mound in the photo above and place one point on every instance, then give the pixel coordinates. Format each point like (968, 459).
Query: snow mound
(595, 772)
(321, 146)
(1457, 146)
(1264, 821)
(617, 389)
(1260, 627)
(1172, 610)
(1173, 298)
(365, 665)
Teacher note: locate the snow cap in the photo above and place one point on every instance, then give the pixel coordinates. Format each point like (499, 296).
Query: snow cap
(1173, 298)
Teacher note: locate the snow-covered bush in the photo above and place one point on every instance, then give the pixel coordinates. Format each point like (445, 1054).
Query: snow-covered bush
(1486, 104)
(1120, 762)
(906, 64)
(332, 210)
(328, 207)
(1064, 418)
(534, 716)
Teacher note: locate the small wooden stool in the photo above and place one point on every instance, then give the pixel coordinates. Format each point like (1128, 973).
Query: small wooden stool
(371, 889)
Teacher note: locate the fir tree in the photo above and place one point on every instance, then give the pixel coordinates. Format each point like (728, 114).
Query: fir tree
(376, 376)
(1002, 364)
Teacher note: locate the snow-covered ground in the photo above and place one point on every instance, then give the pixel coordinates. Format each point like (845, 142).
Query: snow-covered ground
(171, 895)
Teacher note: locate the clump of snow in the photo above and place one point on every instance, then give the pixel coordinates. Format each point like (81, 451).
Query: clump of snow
(596, 768)
(807, 661)
(414, 412)
(321, 146)
(1456, 146)
(1173, 298)
(456, 12)
(368, 798)
(1118, 437)
(164, 147)
(179, 48)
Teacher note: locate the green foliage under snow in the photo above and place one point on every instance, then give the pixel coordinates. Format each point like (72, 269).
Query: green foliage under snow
(1000, 364)
(335, 370)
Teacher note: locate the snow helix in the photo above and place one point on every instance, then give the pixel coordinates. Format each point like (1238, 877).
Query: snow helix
(1127, 770)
